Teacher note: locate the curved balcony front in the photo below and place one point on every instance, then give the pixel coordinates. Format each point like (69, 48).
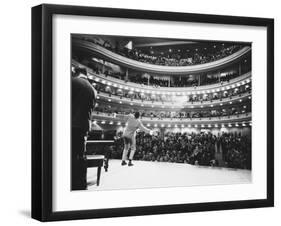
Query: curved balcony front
(112, 119)
(130, 85)
(245, 78)
(157, 104)
(159, 69)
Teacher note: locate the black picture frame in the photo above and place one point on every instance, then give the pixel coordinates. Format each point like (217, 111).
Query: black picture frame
(42, 108)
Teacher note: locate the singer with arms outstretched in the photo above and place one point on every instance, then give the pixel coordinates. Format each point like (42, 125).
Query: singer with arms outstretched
(129, 136)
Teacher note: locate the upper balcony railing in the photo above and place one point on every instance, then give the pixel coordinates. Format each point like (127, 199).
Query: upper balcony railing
(245, 78)
(172, 104)
(159, 69)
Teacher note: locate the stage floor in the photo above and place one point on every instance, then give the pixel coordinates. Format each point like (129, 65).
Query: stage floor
(146, 174)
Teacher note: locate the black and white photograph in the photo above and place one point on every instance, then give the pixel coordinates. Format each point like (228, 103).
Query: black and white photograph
(140, 113)
(149, 112)
(144, 112)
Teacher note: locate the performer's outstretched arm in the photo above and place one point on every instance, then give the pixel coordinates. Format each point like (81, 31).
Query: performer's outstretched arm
(143, 128)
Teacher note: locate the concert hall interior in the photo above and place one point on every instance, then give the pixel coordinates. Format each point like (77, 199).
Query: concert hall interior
(195, 95)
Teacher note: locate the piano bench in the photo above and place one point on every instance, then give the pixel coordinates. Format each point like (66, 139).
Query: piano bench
(96, 161)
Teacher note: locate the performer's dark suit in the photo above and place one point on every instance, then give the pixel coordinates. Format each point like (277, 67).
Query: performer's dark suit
(83, 100)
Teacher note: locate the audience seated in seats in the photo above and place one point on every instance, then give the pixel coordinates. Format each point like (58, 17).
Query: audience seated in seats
(194, 148)
(221, 112)
(179, 58)
(168, 97)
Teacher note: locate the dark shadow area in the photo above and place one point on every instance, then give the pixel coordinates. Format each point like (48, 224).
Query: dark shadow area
(25, 213)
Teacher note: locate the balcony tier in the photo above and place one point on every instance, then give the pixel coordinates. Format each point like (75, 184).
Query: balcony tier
(159, 69)
(239, 118)
(157, 104)
(245, 78)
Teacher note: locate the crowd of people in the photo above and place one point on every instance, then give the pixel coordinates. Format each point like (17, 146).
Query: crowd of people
(171, 58)
(176, 81)
(122, 93)
(182, 58)
(195, 148)
(220, 112)
(151, 81)
(236, 150)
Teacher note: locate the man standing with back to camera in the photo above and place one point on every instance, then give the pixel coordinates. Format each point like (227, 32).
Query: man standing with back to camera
(83, 102)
